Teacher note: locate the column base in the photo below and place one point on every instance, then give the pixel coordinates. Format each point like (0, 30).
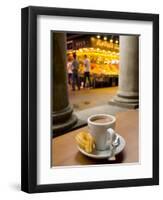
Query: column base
(63, 120)
(125, 102)
(64, 126)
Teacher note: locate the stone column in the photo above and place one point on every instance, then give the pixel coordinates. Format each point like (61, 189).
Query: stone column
(62, 111)
(128, 91)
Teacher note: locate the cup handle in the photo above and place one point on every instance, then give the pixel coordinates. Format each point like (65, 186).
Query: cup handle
(110, 135)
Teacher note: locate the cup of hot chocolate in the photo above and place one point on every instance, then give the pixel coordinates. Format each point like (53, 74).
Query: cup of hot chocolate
(102, 127)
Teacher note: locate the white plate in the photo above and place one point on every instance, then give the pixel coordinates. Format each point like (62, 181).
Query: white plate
(106, 153)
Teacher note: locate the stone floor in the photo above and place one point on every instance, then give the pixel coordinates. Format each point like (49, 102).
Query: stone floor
(103, 109)
(90, 98)
(87, 102)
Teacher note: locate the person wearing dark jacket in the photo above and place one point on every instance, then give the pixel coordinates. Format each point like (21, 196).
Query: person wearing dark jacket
(75, 74)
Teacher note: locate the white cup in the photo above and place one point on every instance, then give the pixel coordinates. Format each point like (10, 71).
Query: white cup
(103, 132)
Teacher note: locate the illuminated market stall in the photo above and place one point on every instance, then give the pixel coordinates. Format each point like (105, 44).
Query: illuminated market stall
(103, 53)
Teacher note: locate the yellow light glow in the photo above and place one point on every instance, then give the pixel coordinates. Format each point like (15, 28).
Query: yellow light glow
(105, 38)
(111, 40)
(116, 41)
(98, 36)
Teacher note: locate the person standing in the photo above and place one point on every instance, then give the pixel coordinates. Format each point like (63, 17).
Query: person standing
(86, 70)
(69, 71)
(75, 74)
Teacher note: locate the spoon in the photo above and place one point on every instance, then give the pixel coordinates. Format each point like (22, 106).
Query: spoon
(115, 143)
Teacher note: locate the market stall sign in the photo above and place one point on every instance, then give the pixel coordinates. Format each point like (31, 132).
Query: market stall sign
(107, 45)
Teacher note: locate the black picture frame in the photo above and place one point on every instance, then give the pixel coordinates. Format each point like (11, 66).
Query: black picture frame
(29, 98)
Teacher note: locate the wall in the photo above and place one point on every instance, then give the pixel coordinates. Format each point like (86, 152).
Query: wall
(10, 79)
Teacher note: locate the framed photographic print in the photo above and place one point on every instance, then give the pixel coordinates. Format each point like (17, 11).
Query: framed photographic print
(90, 99)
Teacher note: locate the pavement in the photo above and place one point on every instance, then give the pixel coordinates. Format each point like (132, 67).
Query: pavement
(87, 102)
(90, 98)
(104, 109)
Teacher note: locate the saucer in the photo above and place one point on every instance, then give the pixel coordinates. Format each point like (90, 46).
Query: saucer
(105, 153)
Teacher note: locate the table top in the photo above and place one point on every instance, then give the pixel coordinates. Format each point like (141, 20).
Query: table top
(65, 152)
